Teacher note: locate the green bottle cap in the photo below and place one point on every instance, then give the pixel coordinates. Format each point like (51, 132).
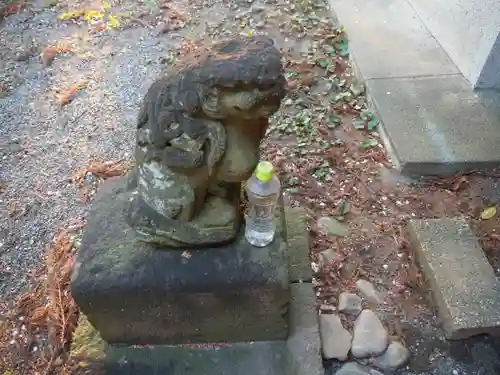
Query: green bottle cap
(265, 171)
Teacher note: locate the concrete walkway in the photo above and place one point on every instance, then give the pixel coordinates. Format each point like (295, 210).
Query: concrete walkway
(433, 122)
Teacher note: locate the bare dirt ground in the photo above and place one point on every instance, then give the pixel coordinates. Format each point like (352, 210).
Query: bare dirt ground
(72, 76)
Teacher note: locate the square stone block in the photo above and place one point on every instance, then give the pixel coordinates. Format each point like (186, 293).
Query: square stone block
(135, 294)
(464, 285)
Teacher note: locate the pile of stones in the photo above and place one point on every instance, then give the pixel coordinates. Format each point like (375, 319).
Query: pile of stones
(368, 348)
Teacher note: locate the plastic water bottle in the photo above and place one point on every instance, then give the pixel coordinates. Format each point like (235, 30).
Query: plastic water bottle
(263, 191)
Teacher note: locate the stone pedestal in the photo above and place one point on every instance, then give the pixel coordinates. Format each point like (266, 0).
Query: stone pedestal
(298, 355)
(135, 294)
(241, 310)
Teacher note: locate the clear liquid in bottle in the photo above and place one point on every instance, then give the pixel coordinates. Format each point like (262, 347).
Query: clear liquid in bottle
(263, 190)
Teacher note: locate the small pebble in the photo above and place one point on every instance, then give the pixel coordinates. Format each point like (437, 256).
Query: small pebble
(350, 304)
(328, 256)
(327, 308)
(368, 291)
(395, 357)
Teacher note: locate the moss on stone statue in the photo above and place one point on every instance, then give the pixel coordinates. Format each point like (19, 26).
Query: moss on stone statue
(87, 344)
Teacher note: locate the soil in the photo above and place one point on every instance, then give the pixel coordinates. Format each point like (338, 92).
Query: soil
(71, 82)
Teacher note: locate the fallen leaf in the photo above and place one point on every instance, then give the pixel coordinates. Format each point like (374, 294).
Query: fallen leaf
(99, 27)
(359, 124)
(323, 63)
(334, 121)
(11, 9)
(113, 22)
(357, 89)
(68, 95)
(51, 52)
(39, 314)
(93, 16)
(367, 143)
(68, 16)
(372, 123)
(488, 213)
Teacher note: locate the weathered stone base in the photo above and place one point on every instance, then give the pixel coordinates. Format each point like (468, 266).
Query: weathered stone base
(136, 294)
(299, 355)
(464, 285)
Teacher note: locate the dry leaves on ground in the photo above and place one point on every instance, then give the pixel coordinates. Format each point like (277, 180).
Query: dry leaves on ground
(43, 319)
(88, 178)
(102, 170)
(11, 8)
(172, 19)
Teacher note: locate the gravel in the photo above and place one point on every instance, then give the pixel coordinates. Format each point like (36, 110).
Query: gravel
(42, 145)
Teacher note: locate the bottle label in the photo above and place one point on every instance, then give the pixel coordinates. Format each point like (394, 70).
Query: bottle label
(264, 211)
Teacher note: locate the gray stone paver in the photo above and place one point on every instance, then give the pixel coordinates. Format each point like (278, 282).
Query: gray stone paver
(463, 283)
(388, 40)
(433, 123)
(436, 125)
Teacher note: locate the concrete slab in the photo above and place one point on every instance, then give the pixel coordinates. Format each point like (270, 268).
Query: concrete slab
(469, 32)
(387, 39)
(464, 285)
(299, 355)
(436, 125)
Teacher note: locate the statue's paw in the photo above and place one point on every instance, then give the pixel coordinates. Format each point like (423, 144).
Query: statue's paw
(217, 213)
(218, 222)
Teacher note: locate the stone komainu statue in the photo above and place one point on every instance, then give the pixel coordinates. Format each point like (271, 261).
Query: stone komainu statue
(198, 137)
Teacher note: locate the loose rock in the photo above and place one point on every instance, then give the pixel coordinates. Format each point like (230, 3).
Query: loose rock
(327, 256)
(350, 304)
(256, 9)
(333, 227)
(335, 339)
(327, 308)
(370, 336)
(395, 356)
(353, 368)
(368, 291)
